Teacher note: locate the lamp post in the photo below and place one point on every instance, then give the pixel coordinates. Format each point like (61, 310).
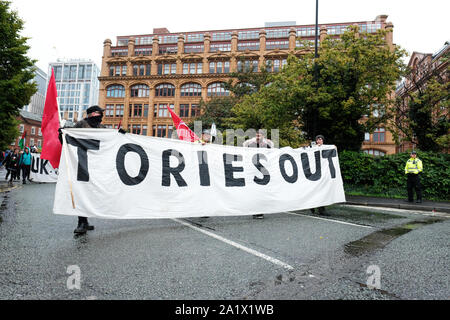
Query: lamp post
(317, 29)
(316, 77)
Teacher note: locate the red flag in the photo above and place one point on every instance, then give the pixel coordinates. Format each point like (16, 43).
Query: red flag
(51, 148)
(183, 131)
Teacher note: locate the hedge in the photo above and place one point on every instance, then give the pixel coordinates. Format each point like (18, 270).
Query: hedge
(385, 176)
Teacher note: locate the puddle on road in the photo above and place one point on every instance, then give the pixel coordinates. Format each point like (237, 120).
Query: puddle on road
(380, 239)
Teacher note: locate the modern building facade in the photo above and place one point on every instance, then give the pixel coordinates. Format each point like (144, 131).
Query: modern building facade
(77, 86)
(144, 75)
(37, 102)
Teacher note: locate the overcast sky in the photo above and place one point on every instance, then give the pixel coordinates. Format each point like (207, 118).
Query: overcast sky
(77, 28)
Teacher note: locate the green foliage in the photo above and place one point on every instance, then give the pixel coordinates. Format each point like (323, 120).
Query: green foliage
(385, 176)
(217, 110)
(16, 71)
(352, 77)
(9, 131)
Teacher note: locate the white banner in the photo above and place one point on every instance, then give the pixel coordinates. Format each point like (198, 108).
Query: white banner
(127, 176)
(41, 170)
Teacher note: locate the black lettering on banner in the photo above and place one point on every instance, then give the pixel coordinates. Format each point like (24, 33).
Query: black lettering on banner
(43, 166)
(120, 164)
(329, 154)
(266, 178)
(230, 180)
(203, 168)
(83, 145)
(34, 162)
(167, 170)
(286, 157)
(307, 169)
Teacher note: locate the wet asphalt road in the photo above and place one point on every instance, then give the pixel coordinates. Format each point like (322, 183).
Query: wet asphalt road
(168, 259)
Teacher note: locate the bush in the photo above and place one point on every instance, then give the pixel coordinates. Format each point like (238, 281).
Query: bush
(385, 176)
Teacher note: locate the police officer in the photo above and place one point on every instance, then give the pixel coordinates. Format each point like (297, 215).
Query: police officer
(93, 120)
(413, 170)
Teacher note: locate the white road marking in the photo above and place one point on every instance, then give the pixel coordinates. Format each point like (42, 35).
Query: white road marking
(237, 245)
(330, 220)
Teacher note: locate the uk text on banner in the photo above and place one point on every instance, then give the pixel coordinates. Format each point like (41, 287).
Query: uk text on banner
(127, 176)
(42, 170)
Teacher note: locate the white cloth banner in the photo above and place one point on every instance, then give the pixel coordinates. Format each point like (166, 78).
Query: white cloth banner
(127, 176)
(41, 170)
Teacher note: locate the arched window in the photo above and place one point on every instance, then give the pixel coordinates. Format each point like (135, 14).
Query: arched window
(217, 89)
(140, 90)
(165, 90)
(115, 91)
(191, 90)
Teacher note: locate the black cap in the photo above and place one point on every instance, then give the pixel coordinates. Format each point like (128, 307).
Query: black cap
(206, 131)
(320, 136)
(413, 152)
(94, 109)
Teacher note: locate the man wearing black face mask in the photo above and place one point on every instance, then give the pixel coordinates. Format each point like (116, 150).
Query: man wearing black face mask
(93, 120)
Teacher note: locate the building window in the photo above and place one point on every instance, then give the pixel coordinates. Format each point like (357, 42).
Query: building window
(192, 68)
(169, 131)
(33, 130)
(39, 143)
(140, 90)
(219, 67)
(193, 48)
(195, 110)
(161, 131)
(143, 51)
(119, 52)
(191, 90)
(196, 37)
(280, 33)
(21, 128)
(163, 110)
(221, 36)
(136, 129)
(247, 65)
(144, 130)
(109, 110)
(154, 131)
(246, 35)
(366, 136)
(217, 89)
(379, 135)
(145, 110)
(165, 90)
(168, 50)
(220, 47)
(137, 110)
(141, 69)
(115, 91)
(375, 152)
(275, 65)
(184, 110)
(39, 132)
(119, 110)
(242, 46)
(31, 142)
(277, 44)
(167, 68)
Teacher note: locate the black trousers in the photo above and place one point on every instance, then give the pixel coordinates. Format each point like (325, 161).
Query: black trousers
(413, 182)
(82, 220)
(26, 172)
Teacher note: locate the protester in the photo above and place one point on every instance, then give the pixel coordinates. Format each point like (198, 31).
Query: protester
(319, 142)
(413, 170)
(259, 141)
(205, 137)
(12, 165)
(93, 120)
(25, 165)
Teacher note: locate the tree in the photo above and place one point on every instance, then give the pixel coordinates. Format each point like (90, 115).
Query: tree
(16, 73)
(341, 94)
(422, 108)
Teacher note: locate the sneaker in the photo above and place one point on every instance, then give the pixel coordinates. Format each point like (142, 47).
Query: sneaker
(90, 227)
(24, 182)
(419, 201)
(258, 216)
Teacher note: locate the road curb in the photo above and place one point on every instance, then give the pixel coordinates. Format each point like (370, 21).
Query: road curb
(400, 206)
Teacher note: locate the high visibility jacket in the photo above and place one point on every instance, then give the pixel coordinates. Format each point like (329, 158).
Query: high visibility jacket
(413, 166)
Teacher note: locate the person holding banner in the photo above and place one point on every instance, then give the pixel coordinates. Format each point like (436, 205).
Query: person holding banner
(259, 141)
(319, 142)
(93, 120)
(12, 165)
(205, 137)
